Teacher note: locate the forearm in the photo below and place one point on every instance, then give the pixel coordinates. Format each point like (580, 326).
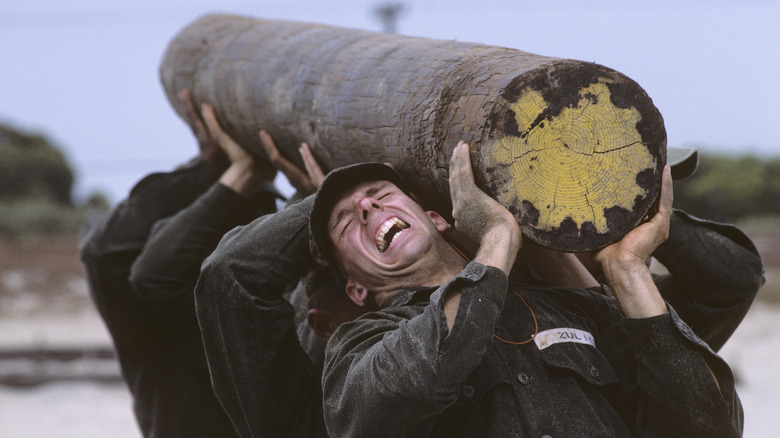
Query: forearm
(242, 178)
(634, 289)
(170, 262)
(266, 256)
(499, 246)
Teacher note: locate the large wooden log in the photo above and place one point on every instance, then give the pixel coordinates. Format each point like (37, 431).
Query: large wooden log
(574, 149)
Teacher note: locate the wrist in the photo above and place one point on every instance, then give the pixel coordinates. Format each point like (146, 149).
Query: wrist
(499, 246)
(634, 288)
(240, 178)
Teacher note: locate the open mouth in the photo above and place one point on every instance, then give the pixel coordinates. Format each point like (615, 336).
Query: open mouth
(388, 232)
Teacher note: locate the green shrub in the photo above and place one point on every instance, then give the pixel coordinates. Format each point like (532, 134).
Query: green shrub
(40, 217)
(731, 188)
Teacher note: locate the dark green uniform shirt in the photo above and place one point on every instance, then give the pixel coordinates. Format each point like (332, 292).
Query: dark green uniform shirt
(589, 371)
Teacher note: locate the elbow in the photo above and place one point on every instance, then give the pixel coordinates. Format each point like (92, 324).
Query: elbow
(142, 283)
(153, 283)
(753, 277)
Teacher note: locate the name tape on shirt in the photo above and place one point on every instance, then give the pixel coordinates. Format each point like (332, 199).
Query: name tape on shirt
(564, 334)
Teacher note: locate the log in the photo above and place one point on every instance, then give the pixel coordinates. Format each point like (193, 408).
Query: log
(573, 149)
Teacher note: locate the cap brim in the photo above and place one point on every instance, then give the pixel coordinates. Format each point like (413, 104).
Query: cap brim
(683, 161)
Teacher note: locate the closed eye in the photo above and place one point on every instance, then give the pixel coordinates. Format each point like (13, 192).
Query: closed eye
(343, 230)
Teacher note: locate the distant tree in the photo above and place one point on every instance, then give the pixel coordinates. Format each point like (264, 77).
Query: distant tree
(32, 167)
(97, 201)
(730, 188)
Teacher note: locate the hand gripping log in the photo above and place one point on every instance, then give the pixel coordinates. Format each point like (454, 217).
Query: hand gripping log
(573, 149)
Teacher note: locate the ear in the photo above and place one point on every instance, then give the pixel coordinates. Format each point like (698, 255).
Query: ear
(320, 321)
(438, 221)
(357, 293)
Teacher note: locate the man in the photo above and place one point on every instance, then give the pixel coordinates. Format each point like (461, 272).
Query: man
(452, 353)
(153, 327)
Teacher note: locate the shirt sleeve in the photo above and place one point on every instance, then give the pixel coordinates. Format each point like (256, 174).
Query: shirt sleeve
(165, 273)
(260, 374)
(111, 246)
(715, 273)
(679, 396)
(393, 372)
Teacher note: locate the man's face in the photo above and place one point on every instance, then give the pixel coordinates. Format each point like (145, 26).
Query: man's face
(381, 236)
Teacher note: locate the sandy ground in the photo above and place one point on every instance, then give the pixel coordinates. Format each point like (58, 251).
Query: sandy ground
(30, 317)
(90, 410)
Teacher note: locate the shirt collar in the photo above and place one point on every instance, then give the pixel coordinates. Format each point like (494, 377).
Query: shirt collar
(410, 296)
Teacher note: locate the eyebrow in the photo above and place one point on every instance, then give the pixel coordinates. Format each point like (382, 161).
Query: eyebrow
(371, 191)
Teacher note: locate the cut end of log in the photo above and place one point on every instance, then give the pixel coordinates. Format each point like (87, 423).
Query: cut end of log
(578, 165)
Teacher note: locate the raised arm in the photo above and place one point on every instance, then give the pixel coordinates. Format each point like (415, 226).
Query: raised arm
(481, 217)
(685, 388)
(260, 374)
(165, 272)
(625, 262)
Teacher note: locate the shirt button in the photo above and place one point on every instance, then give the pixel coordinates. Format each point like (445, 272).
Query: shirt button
(594, 372)
(468, 391)
(547, 436)
(524, 378)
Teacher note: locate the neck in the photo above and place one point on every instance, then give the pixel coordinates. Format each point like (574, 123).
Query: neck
(447, 267)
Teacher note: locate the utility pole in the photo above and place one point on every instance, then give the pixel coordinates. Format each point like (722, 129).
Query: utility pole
(388, 14)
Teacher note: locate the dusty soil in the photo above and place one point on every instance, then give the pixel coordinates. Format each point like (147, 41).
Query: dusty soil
(41, 275)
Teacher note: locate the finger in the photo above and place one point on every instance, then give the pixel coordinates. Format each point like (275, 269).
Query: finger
(663, 217)
(207, 112)
(458, 178)
(189, 109)
(316, 175)
(454, 173)
(274, 155)
(270, 147)
(460, 167)
(295, 176)
(192, 116)
(666, 200)
(465, 159)
(667, 192)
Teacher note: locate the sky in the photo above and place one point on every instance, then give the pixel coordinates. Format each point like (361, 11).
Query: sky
(85, 72)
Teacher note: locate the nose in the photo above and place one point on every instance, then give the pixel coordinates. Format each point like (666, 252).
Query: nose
(365, 206)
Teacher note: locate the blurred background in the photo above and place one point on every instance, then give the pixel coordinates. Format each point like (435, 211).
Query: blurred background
(83, 117)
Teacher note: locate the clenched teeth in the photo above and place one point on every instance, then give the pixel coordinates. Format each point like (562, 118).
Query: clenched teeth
(392, 228)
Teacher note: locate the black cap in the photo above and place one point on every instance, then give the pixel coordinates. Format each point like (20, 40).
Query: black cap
(330, 192)
(683, 161)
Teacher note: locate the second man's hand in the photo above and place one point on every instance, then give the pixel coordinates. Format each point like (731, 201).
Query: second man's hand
(305, 183)
(243, 175)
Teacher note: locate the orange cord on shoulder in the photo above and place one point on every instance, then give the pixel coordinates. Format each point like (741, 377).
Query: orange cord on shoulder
(533, 315)
(536, 325)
